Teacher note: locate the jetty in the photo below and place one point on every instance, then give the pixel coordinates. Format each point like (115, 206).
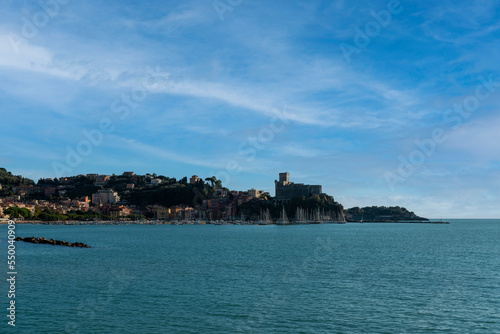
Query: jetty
(43, 240)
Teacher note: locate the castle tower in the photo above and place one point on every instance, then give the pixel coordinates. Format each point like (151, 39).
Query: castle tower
(284, 178)
(286, 190)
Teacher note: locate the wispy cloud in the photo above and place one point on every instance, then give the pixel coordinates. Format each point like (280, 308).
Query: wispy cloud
(149, 150)
(298, 150)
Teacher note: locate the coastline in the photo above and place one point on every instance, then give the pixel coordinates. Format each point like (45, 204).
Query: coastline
(229, 222)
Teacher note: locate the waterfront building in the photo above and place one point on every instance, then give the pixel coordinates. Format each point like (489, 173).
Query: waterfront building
(160, 212)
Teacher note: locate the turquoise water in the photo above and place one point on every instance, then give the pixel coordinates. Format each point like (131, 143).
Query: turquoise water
(353, 278)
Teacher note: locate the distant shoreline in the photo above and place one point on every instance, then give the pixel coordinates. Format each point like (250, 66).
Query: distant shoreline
(160, 222)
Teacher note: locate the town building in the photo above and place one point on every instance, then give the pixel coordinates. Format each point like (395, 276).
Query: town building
(160, 212)
(181, 212)
(254, 193)
(45, 180)
(65, 180)
(48, 191)
(115, 211)
(27, 190)
(101, 180)
(155, 182)
(195, 179)
(105, 196)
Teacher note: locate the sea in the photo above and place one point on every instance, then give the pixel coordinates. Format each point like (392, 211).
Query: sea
(351, 278)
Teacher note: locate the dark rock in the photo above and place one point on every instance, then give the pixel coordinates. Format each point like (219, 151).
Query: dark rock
(52, 242)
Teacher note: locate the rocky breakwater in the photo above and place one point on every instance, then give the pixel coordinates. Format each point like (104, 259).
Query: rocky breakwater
(43, 240)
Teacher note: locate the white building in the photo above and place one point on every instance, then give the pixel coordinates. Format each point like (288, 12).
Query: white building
(155, 182)
(106, 196)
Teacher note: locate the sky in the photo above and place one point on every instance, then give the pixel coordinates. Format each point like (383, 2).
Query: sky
(392, 103)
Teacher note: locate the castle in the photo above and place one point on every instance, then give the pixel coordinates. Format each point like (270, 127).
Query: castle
(286, 190)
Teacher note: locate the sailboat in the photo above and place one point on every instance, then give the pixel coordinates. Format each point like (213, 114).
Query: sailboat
(283, 218)
(316, 217)
(300, 216)
(264, 217)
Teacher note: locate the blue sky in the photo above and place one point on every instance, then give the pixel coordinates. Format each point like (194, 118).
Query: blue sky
(246, 89)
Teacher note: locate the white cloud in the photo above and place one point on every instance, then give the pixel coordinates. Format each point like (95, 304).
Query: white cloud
(299, 150)
(479, 138)
(24, 57)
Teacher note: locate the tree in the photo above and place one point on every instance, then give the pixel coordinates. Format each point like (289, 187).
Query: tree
(265, 195)
(211, 180)
(13, 212)
(25, 213)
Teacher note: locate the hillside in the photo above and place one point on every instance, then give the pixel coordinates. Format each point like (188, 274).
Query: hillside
(8, 181)
(382, 213)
